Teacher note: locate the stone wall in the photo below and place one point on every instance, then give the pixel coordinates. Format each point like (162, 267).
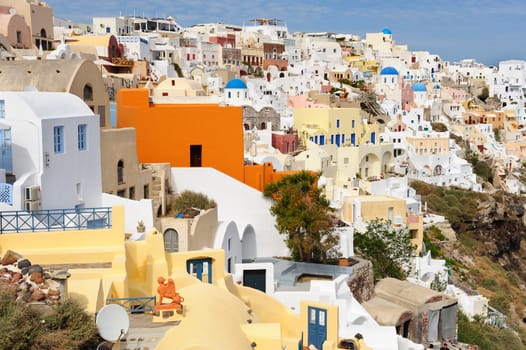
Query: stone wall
(361, 282)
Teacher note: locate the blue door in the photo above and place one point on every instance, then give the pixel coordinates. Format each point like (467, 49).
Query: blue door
(353, 139)
(373, 137)
(337, 139)
(200, 269)
(6, 153)
(322, 140)
(317, 326)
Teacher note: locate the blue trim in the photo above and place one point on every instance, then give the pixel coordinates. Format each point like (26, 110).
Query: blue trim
(6, 193)
(55, 220)
(135, 305)
(197, 266)
(317, 320)
(58, 139)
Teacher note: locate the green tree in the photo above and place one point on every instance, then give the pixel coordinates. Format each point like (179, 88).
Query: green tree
(303, 214)
(388, 248)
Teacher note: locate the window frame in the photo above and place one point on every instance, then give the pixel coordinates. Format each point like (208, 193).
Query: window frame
(82, 137)
(58, 139)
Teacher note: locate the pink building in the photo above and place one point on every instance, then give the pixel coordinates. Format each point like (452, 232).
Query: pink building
(14, 28)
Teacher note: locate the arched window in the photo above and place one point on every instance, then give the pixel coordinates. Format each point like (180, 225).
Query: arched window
(171, 240)
(42, 33)
(120, 172)
(88, 93)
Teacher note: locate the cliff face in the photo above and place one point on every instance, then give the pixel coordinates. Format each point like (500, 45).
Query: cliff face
(501, 226)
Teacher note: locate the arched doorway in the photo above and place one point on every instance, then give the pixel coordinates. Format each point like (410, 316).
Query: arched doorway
(171, 240)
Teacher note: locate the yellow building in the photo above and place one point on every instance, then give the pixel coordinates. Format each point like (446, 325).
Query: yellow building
(362, 209)
(218, 313)
(369, 161)
(335, 126)
(430, 144)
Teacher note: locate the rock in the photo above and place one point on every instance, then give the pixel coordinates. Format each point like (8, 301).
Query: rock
(36, 277)
(35, 268)
(10, 258)
(23, 263)
(53, 292)
(60, 275)
(17, 276)
(37, 295)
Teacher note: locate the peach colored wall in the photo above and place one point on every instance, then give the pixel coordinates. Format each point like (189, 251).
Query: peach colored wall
(10, 25)
(166, 131)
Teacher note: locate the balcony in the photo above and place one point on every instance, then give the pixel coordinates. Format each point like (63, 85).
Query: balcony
(55, 220)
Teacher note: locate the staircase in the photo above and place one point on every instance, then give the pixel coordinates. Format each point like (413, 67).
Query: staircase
(157, 194)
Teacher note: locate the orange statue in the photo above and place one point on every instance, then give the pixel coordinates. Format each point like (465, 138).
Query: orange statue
(166, 290)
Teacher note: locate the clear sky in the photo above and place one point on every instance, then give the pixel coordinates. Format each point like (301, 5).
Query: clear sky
(486, 30)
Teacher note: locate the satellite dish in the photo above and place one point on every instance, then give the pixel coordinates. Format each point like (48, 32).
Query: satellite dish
(12, 11)
(112, 322)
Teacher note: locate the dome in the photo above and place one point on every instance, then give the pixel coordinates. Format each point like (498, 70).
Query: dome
(389, 71)
(236, 84)
(419, 87)
(387, 31)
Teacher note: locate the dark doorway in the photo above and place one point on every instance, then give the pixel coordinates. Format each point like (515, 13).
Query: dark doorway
(254, 279)
(195, 155)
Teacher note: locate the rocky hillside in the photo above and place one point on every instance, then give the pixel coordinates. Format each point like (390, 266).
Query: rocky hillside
(485, 246)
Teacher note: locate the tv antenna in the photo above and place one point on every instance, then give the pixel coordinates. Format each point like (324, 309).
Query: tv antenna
(112, 322)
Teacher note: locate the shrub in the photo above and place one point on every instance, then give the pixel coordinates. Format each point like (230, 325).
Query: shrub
(67, 327)
(190, 199)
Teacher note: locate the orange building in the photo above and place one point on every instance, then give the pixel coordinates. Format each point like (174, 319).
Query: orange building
(185, 135)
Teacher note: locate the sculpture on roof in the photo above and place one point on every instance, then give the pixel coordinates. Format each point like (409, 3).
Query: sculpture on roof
(169, 299)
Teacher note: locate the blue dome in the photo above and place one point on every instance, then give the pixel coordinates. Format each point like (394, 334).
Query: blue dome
(419, 87)
(389, 71)
(436, 86)
(236, 84)
(387, 31)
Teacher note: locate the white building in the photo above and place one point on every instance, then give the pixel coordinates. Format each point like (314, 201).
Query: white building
(388, 84)
(508, 85)
(112, 25)
(254, 234)
(427, 155)
(135, 47)
(55, 141)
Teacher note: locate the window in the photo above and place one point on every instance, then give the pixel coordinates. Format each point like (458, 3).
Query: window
(2, 109)
(82, 137)
(120, 172)
(58, 139)
(146, 191)
(88, 93)
(337, 123)
(352, 124)
(18, 37)
(132, 193)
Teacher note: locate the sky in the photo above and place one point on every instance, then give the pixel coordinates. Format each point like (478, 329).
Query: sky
(488, 31)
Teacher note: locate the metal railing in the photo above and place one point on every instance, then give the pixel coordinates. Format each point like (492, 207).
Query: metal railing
(55, 220)
(135, 305)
